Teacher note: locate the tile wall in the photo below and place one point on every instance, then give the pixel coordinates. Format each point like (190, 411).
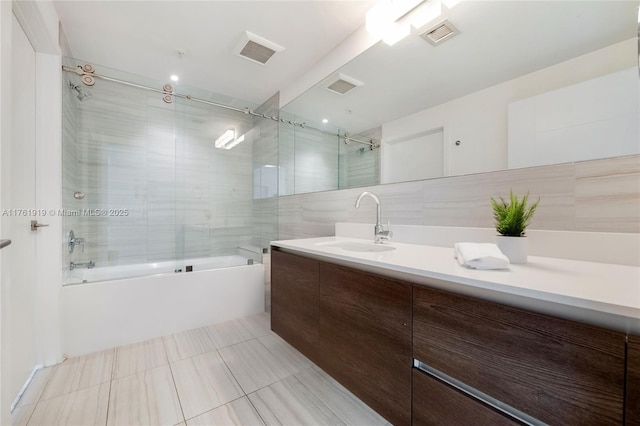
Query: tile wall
(598, 195)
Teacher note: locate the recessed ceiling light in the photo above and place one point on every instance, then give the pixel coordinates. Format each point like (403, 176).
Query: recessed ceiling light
(325, 121)
(174, 77)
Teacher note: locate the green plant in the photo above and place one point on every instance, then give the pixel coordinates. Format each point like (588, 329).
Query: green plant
(513, 217)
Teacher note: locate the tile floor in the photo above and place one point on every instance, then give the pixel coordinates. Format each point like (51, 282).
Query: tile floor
(234, 373)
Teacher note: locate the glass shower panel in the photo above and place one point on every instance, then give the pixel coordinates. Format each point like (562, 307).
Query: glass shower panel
(316, 156)
(145, 188)
(286, 154)
(266, 174)
(214, 183)
(161, 173)
(108, 160)
(316, 160)
(359, 164)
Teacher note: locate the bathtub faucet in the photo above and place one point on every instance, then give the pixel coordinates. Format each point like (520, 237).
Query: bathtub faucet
(90, 264)
(380, 233)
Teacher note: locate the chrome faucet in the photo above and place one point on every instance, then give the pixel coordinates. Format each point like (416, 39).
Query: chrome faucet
(380, 233)
(90, 264)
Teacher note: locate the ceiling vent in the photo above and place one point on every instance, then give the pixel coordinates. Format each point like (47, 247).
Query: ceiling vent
(342, 84)
(439, 33)
(256, 49)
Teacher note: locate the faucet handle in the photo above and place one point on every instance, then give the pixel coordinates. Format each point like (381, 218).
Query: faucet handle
(384, 233)
(389, 231)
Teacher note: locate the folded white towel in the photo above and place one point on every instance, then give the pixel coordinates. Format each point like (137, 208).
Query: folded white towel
(480, 256)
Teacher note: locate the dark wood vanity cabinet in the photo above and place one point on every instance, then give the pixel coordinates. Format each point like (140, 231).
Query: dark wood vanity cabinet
(555, 370)
(365, 330)
(295, 301)
(632, 415)
(354, 325)
(365, 334)
(436, 403)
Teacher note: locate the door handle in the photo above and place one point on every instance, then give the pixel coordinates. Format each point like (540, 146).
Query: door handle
(35, 225)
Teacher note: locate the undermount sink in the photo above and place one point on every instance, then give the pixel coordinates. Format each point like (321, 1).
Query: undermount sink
(356, 246)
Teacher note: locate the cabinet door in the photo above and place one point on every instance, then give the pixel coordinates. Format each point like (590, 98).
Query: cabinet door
(436, 403)
(633, 382)
(558, 371)
(294, 301)
(365, 336)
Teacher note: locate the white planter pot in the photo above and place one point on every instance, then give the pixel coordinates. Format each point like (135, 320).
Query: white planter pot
(515, 248)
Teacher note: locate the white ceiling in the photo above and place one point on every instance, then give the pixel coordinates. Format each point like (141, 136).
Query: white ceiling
(498, 41)
(142, 37)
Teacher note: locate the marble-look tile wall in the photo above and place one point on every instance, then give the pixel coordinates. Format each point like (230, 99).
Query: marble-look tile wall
(184, 198)
(599, 195)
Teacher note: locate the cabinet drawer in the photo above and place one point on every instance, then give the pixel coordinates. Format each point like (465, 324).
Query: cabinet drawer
(436, 403)
(555, 370)
(365, 336)
(294, 301)
(633, 382)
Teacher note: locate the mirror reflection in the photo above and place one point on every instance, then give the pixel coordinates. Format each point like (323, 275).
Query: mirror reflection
(520, 84)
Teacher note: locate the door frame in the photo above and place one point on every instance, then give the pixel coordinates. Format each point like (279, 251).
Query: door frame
(40, 23)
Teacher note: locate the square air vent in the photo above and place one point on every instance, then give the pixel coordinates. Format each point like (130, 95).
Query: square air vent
(256, 49)
(439, 33)
(342, 84)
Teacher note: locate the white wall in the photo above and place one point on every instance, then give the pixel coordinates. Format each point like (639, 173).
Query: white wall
(571, 123)
(479, 120)
(414, 157)
(5, 136)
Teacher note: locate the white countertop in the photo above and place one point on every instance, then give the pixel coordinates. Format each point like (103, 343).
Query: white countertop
(590, 286)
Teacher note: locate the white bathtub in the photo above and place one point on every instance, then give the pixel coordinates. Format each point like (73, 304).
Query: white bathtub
(107, 311)
(84, 275)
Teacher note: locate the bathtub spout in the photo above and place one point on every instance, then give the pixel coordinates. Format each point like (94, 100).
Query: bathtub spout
(89, 265)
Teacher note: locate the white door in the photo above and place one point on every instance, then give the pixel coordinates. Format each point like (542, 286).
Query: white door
(19, 348)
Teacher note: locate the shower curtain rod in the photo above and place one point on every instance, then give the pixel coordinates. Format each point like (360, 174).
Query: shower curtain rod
(80, 71)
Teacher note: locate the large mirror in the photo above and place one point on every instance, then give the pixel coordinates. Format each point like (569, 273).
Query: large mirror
(519, 84)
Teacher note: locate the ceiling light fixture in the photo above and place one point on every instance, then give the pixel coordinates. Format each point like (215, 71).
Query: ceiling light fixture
(391, 19)
(396, 32)
(174, 77)
(225, 139)
(234, 142)
(425, 13)
(325, 121)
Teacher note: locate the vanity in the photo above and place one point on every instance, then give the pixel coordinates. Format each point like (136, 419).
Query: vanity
(423, 341)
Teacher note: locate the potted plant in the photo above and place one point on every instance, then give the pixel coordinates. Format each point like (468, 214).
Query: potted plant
(512, 218)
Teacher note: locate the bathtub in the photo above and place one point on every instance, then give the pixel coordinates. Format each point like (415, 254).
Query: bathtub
(109, 310)
(84, 275)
